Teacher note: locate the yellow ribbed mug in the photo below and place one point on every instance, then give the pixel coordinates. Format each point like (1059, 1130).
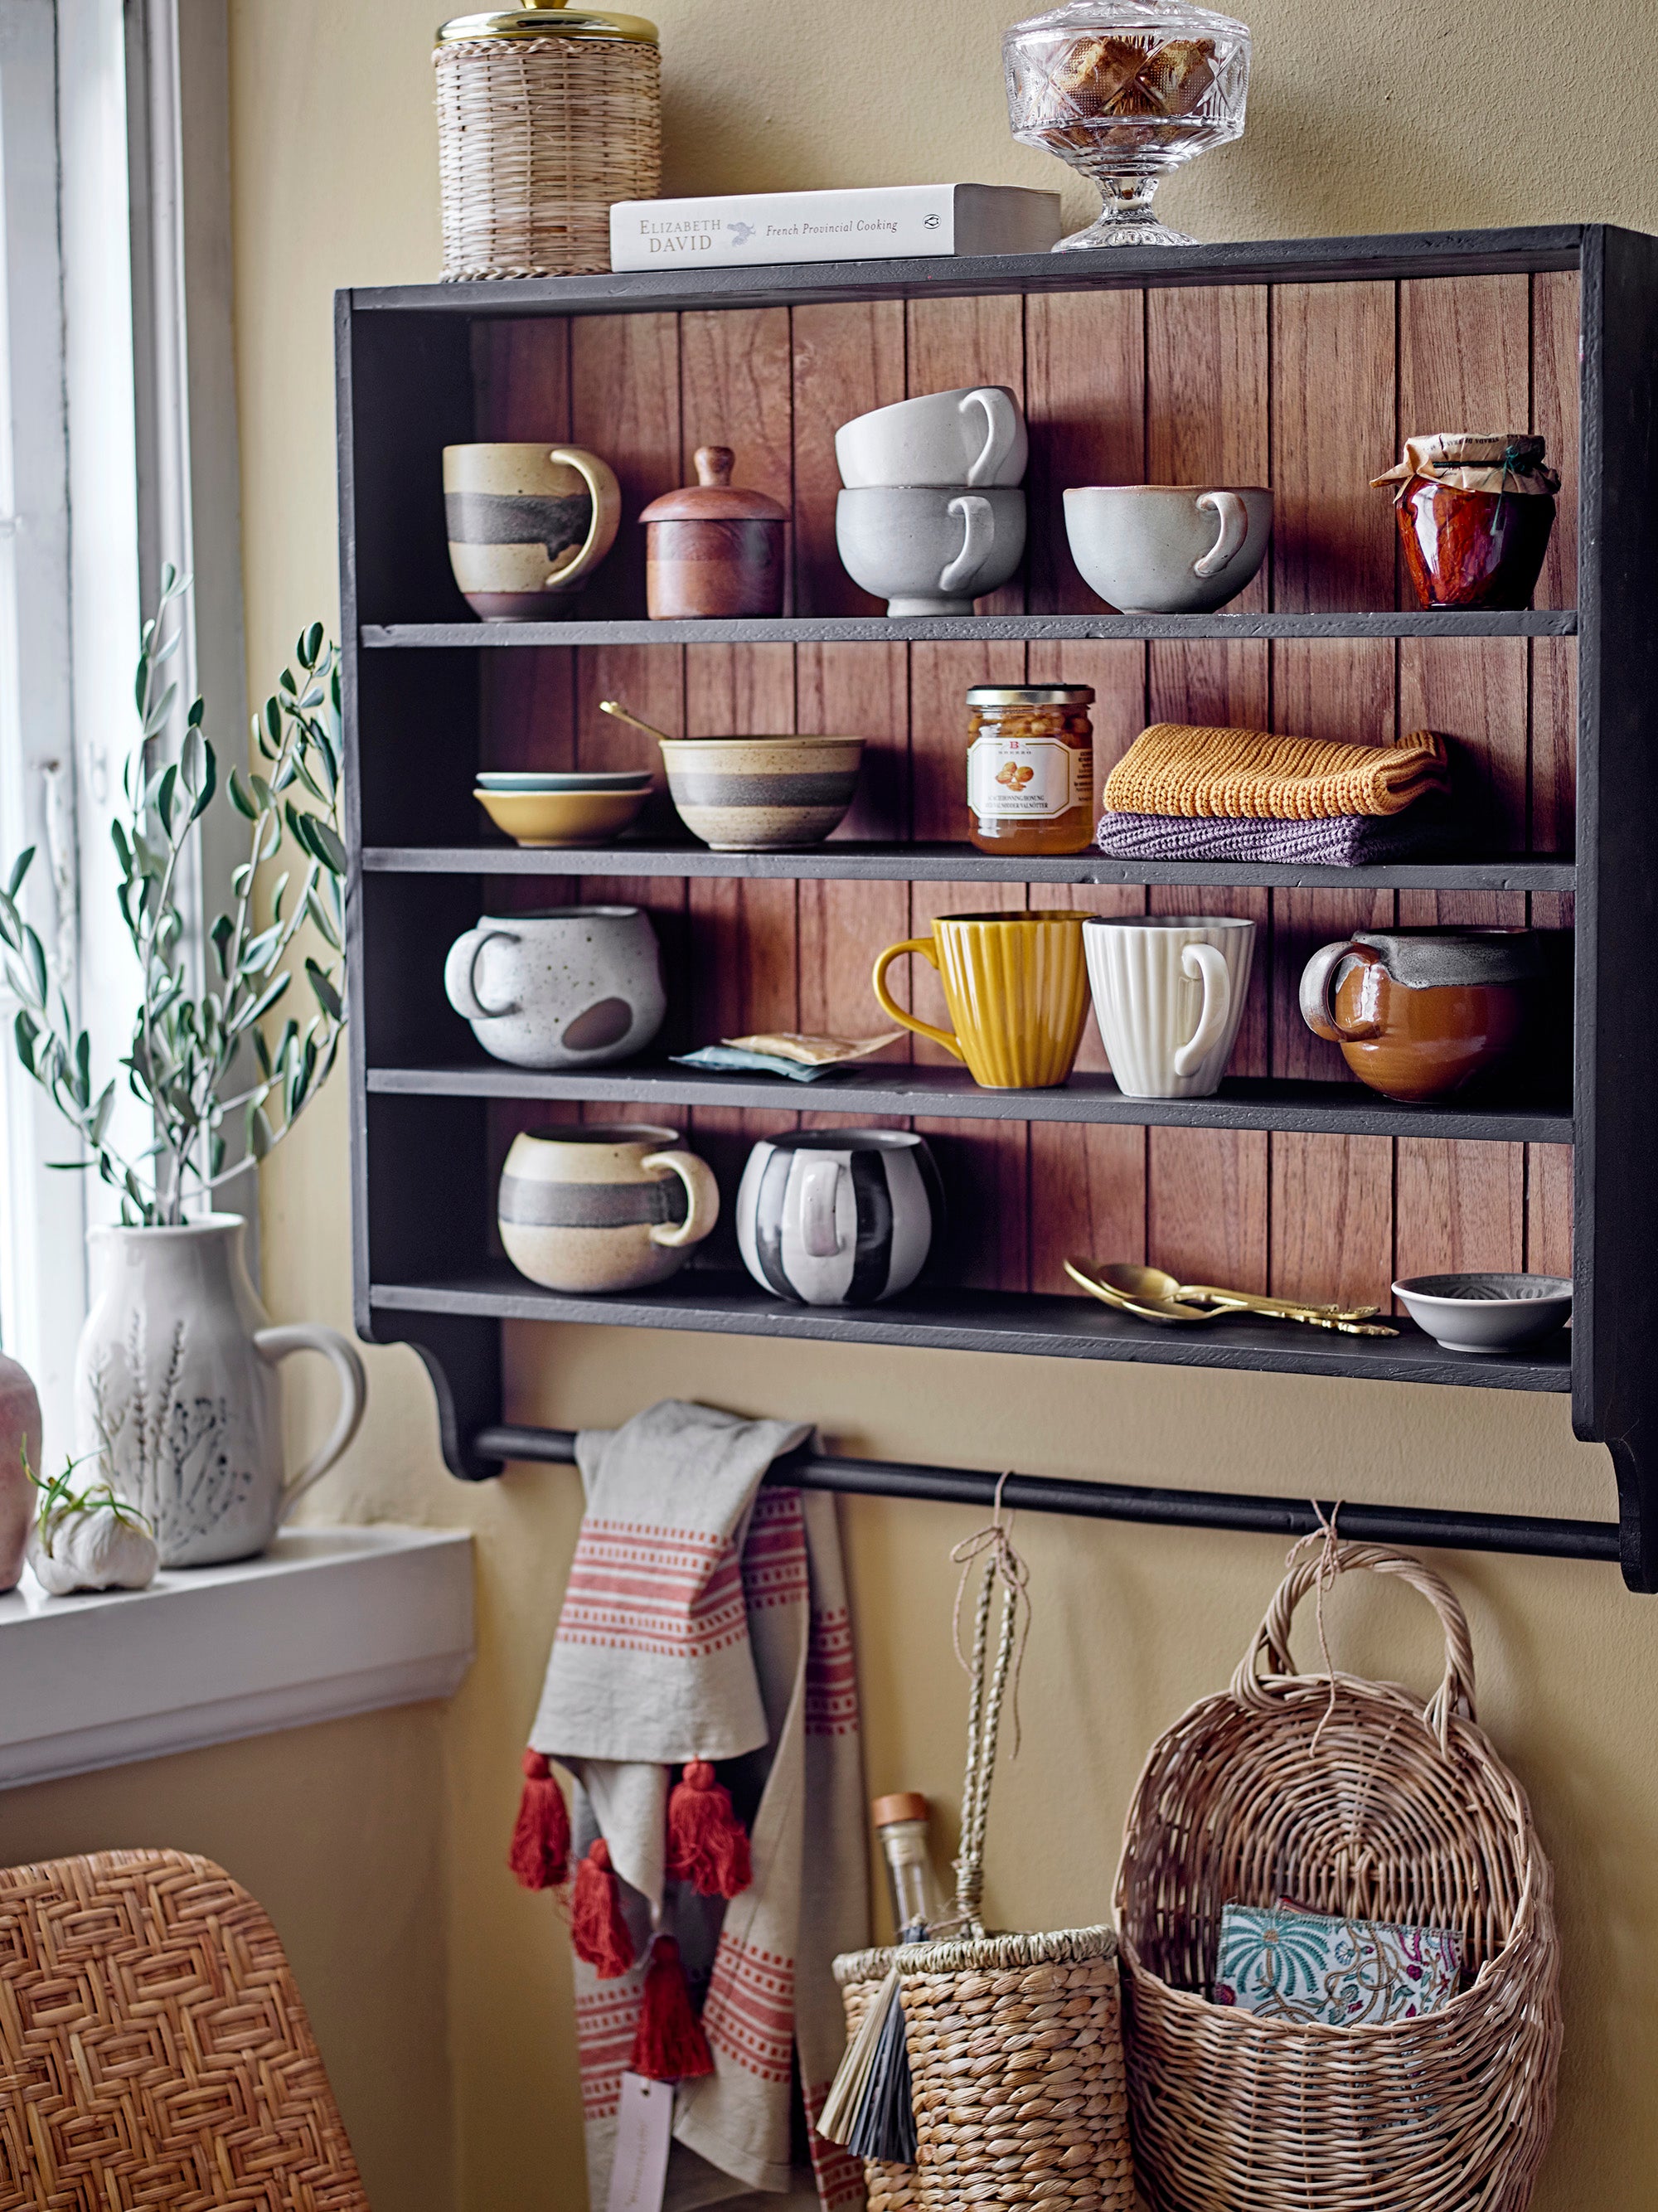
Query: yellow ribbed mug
(1016, 987)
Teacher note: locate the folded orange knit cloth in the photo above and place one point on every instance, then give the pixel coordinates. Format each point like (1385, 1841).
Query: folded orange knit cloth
(1175, 768)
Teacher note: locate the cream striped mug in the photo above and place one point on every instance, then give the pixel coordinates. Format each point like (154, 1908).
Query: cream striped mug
(586, 1207)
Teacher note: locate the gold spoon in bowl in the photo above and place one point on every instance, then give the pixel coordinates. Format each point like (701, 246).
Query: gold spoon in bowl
(615, 706)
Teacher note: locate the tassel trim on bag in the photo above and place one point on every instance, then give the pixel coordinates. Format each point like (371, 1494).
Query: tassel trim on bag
(669, 2045)
(598, 1929)
(707, 1844)
(540, 1853)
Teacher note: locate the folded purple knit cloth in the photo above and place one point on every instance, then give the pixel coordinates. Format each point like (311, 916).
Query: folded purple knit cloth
(1340, 841)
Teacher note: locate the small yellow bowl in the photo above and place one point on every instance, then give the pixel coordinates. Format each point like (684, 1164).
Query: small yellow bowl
(562, 818)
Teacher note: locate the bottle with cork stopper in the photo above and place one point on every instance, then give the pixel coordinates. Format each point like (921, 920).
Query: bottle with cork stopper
(900, 1823)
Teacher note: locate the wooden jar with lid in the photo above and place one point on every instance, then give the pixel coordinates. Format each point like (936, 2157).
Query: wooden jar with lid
(714, 550)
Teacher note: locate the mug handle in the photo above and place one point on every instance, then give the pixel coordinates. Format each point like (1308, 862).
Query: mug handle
(275, 1344)
(928, 951)
(1234, 528)
(1001, 428)
(604, 494)
(1207, 963)
(1317, 1009)
(702, 1193)
(978, 540)
(820, 1187)
(460, 974)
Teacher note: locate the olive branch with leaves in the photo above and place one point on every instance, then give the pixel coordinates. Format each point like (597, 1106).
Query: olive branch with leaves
(188, 1061)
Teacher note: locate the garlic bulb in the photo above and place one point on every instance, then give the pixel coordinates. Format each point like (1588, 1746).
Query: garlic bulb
(94, 1548)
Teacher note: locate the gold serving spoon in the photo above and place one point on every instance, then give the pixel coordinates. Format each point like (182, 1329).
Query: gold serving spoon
(1082, 1273)
(615, 706)
(1153, 1287)
(1154, 1295)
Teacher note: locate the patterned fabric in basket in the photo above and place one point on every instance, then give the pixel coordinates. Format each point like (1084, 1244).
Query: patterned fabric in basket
(1280, 1963)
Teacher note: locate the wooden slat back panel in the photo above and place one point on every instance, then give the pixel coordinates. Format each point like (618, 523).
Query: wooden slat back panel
(1309, 387)
(1207, 417)
(1465, 358)
(735, 381)
(1334, 409)
(1085, 403)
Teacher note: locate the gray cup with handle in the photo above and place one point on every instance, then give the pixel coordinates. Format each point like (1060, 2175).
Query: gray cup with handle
(1168, 549)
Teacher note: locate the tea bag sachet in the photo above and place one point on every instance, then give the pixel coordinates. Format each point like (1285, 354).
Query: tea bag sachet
(802, 1058)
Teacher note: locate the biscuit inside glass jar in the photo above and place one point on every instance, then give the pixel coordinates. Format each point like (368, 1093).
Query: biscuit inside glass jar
(1124, 90)
(1030, 769)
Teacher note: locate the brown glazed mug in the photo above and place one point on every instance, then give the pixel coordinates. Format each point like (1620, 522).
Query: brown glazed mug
(1418, 1012)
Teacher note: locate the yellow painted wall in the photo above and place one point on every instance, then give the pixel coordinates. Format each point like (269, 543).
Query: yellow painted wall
(379, 1843)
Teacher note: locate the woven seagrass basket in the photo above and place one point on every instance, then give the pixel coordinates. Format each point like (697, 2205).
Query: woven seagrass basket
(538, 135)
(1345, 1796)
(1015, 2072)
(1014, 2042)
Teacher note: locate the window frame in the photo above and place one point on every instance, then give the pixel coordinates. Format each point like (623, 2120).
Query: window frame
(115, 211)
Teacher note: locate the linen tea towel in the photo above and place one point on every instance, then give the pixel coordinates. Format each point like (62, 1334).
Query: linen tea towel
(706, 1619)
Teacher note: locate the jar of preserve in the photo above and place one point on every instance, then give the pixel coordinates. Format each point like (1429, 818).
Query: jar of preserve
(1031, 768)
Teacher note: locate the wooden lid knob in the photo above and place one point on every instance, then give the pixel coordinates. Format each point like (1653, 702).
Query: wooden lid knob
(714, 464)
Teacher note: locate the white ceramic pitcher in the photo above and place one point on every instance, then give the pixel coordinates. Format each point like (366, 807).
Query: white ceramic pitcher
(175, 1382)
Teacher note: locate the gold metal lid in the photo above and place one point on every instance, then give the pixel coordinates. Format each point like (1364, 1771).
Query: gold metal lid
(550, 19)
(1030, 695)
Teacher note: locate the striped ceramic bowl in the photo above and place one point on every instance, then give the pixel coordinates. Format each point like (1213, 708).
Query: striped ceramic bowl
(762, 794)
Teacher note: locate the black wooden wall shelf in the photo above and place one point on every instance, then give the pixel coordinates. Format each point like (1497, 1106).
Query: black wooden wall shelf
(417, 677)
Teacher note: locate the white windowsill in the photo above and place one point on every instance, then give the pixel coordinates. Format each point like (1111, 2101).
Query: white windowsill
(330, 1621)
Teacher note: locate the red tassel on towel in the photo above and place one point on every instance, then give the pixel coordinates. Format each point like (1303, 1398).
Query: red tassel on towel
(707, 1844)
(669, 2045)
(540, 1855)
(598, 1933)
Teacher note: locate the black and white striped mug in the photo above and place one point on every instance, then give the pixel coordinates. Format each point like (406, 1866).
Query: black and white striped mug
(839, 1216)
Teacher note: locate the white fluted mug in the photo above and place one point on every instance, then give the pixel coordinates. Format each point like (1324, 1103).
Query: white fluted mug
(1168, 994)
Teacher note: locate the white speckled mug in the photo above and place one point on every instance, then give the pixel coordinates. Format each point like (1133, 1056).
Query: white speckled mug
(573, 986)
(604, 1208)
(1169, 993)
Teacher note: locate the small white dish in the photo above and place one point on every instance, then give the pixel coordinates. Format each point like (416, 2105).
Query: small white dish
(604, 779)
(1486, 1313)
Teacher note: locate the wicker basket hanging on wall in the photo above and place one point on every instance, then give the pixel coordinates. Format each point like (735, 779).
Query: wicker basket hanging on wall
(1014, 2042)
(1343, 1795)
(546, 117)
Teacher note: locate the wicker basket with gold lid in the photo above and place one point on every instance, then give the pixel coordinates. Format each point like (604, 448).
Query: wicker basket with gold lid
(547, 115)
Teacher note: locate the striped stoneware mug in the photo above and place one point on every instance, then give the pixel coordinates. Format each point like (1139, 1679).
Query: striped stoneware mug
(528, 524)
(839, 1216)
(613, 1207)
(1016, 987)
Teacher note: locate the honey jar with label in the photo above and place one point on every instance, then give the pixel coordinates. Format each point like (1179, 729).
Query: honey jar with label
(1031, 768)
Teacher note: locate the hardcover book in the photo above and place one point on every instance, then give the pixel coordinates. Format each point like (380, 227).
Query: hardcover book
(890, 222)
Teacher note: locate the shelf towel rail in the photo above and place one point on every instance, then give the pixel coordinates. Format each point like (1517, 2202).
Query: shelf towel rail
(1532, 1535)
